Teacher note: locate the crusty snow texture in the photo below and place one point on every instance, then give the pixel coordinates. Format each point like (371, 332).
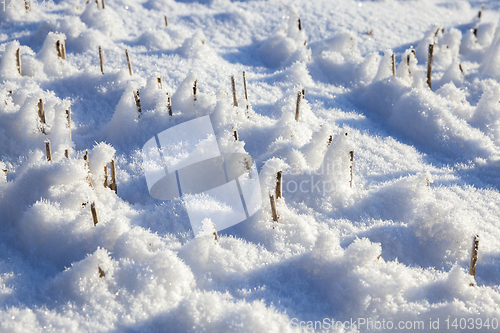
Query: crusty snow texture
(391, 243)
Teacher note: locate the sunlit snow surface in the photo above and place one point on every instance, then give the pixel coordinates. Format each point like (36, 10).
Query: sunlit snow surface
(393, 247)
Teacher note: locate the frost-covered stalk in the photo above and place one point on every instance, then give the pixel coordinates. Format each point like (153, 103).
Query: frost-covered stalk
(18, 60)
(68, 119)
(106, 175)
(41, 115)
(351, 167)
(330, 139)
(245, 87)
(48, 151)
(137, 96)
(66, 153)
(166, 20)
(297, 109)
(5, 172)
(473, 256)
(87, 167)
(97, 3)
(113, 175)
(160, 84)
(169, 106)
(300, 25)
(101, 59)
(480, 12)
(235, 99)
(393, 59)
(436, 33)
(63, 49)
(59, 49)
(95, 217)
(461, 68)
(408, 64)
(279, 184)
(195, 90)
(41, 112)
(27, 5)
(128, 62)
(303, 93)
(273, 208)
(101, 272)
(103, 4)
(429, 64)
(235, 134)
(215, 233)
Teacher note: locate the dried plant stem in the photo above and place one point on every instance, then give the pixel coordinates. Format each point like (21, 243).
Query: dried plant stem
(60, 49)
(101, 59)
(408, 64)
(48, 151)
(66, 153)
(351, 167)
(63, 49)
(41, 115)
(195, 90)
(215, 233)
(279, 185)
(429, 64)
(128, 62)
(113, 175)
(106, 175)
(27, 5)
(330, 139)
(68, 119)
(101, 272)
(437, 32)
(95, 217)
(461, 68)
(160, 83)
(245, 87)
(137, 96)
(273, 208)
(297, 109)
(103, 4)
(235, 134)
(474, 256)
(300, 24)
(303, 93)
(18, 60)
(87, 167)
(166, 20)
(169, 106)
(41, 112)
(235, 99)
(393, 60)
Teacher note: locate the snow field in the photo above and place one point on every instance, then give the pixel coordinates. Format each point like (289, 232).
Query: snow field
(395, 246)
